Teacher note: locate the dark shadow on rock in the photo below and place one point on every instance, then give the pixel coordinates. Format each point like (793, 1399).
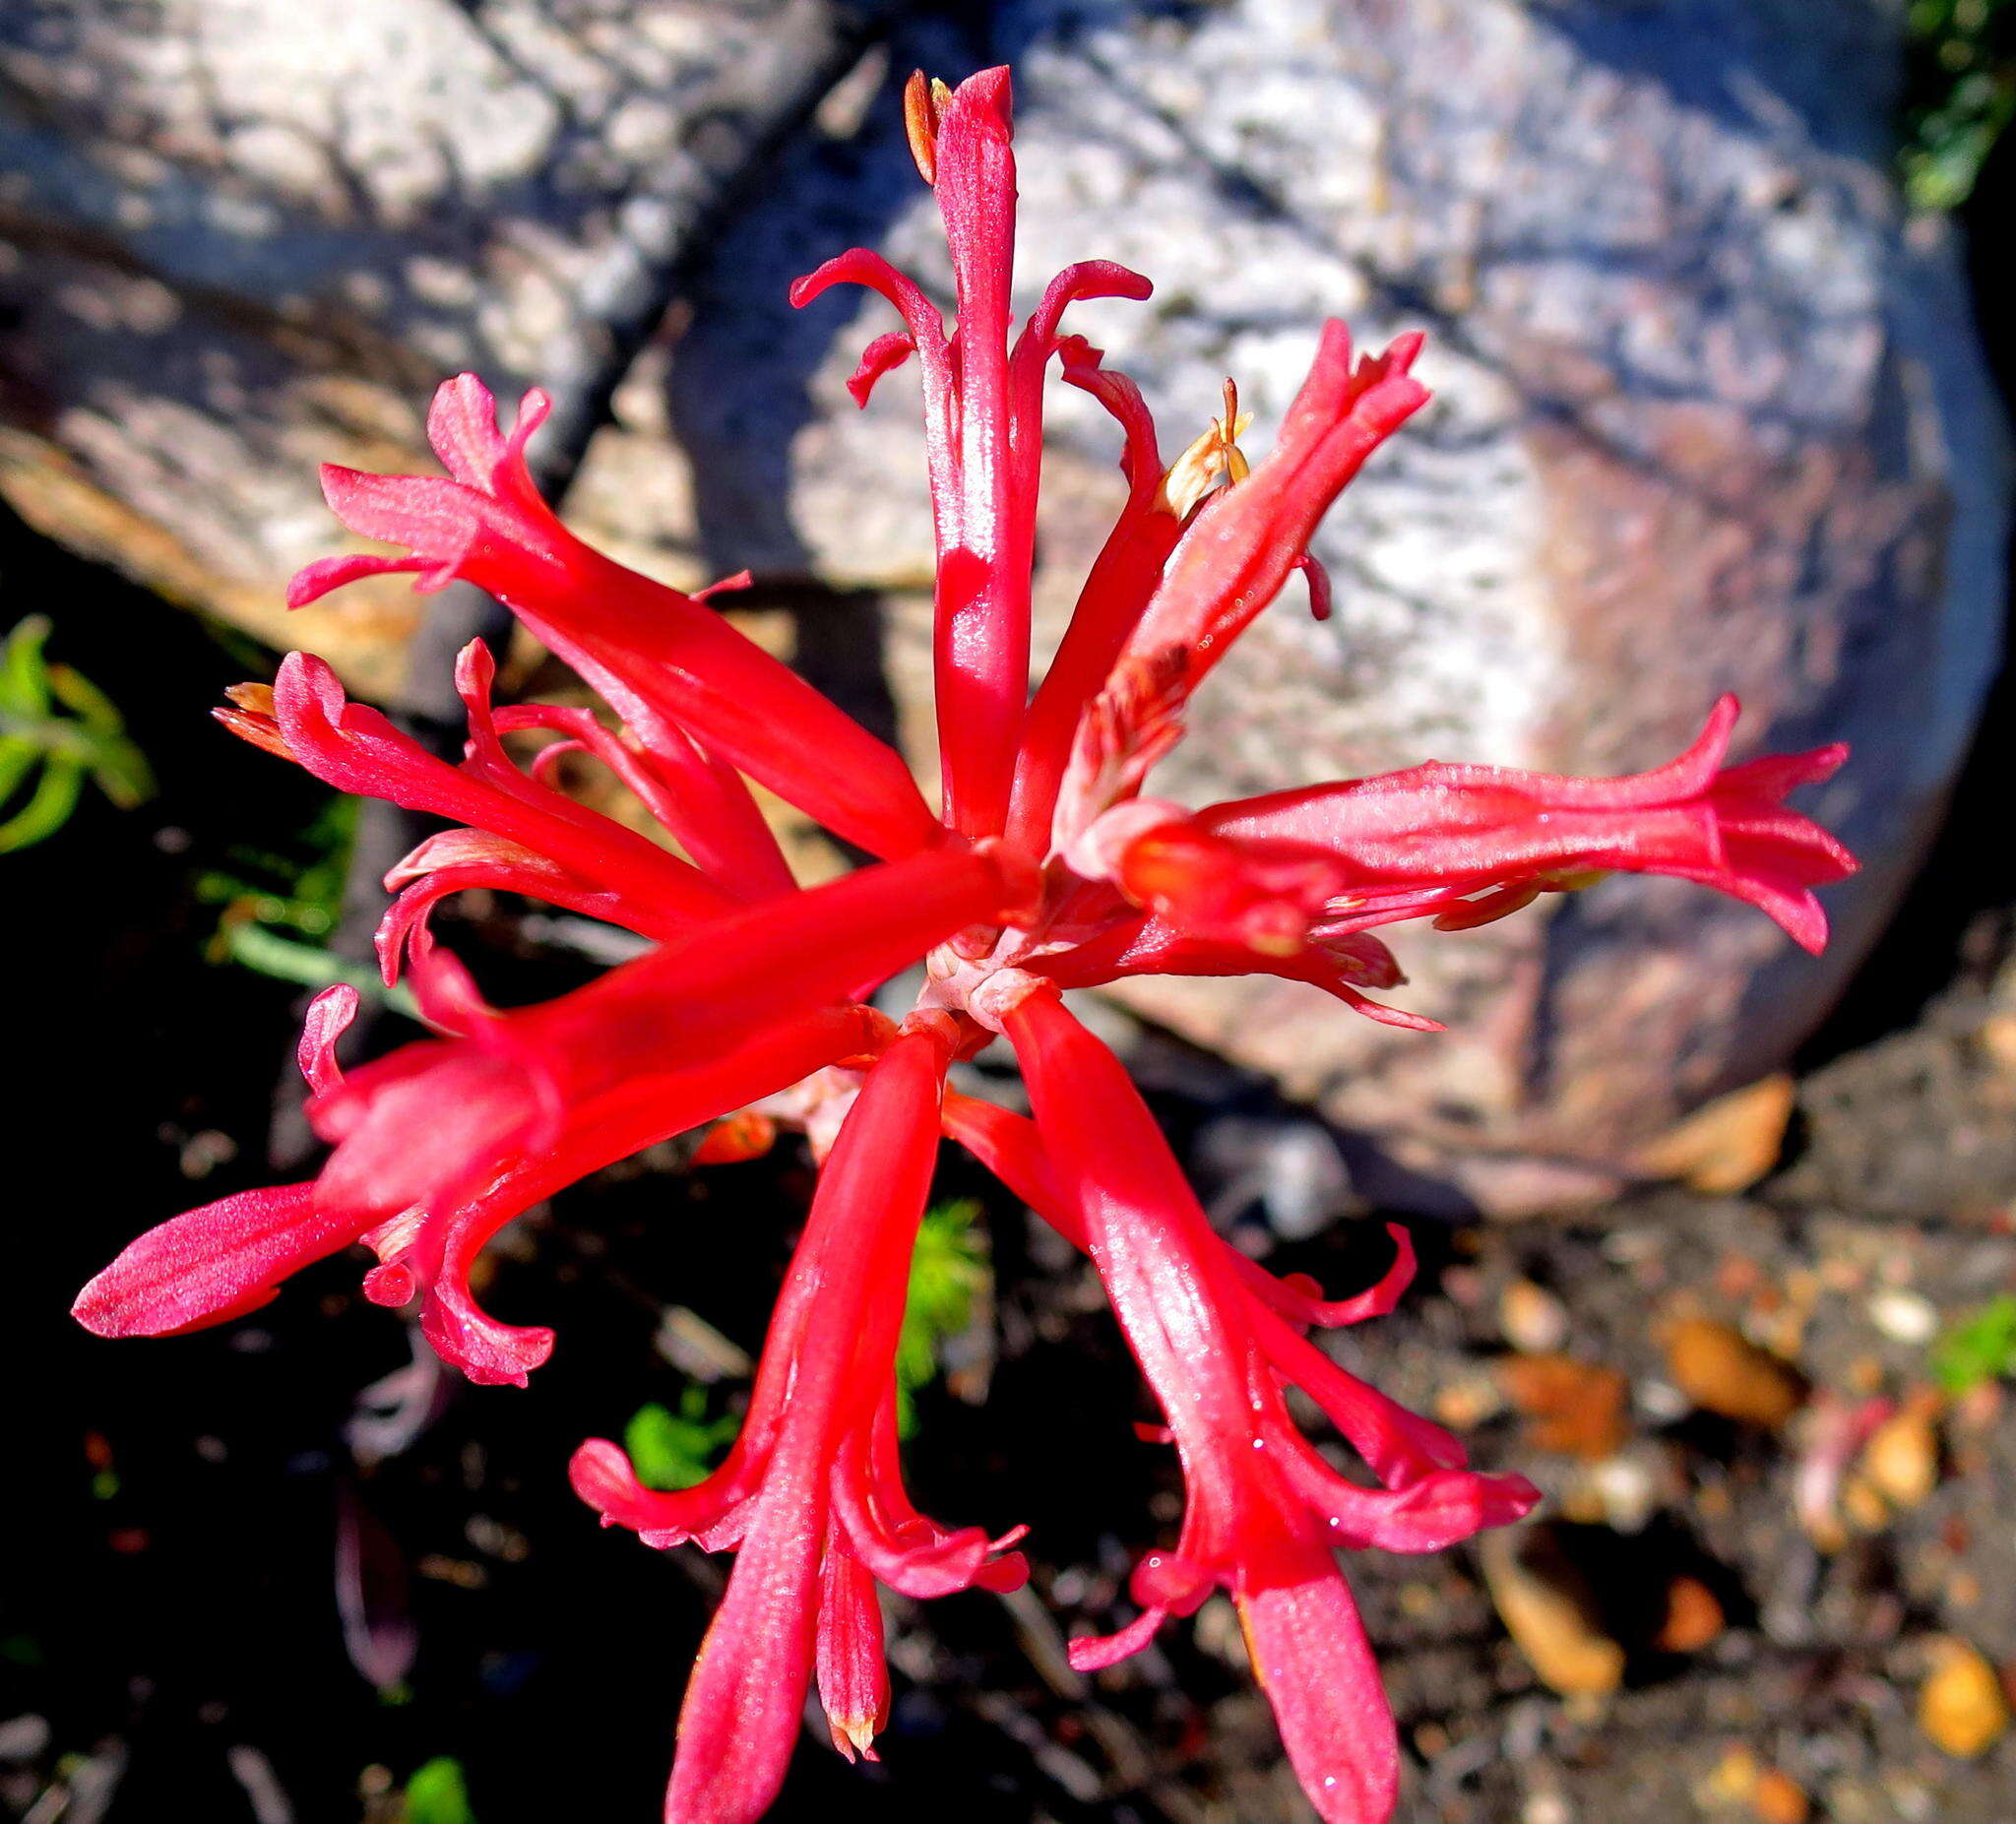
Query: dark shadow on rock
(1754, 64)
(740, 390)
(1958, 922)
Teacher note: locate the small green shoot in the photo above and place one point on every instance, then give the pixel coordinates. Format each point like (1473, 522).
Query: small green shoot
(1978, 1350)
(280, 910)
(674, 1450)
(1960, 95)
(437, 1793)
(948, 1272)
(46, 754)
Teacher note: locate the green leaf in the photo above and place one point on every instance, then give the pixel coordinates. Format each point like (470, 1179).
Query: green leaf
(437, 1793)
(48, 811)
(1980, 1349)
(674, 1450)
(90, 741)
(17, 755)
(948, 1272)
(23, 679)
(1960, 87)
(264, 950)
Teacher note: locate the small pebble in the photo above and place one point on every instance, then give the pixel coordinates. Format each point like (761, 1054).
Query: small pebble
(1733, 1780)
(1903, 1316)
(1465, 1404)
(1532, 1318)
(1627, 1491)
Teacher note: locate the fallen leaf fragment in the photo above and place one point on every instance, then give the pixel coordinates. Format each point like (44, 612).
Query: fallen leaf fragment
(1693, 1616)
(1571, 1406)
(1721, 1371)
(1728, 1145)
(1551, 1611)
(1961, 1707)
(1836, 1430)
(1778, 1798)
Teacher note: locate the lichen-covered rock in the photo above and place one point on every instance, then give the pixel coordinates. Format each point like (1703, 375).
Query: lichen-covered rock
(1710, 415)
(239, 237)
(1710, 411)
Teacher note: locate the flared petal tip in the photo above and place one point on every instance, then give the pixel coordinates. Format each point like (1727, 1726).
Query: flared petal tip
(109, 1309)
(210, 1265)
(1094, 1652)
(325, 575)
(599, 1473)
(104, 1308)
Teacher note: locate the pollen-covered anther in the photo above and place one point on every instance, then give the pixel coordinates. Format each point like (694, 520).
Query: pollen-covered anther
(251, 718)
(1215, 460)
(924, 101)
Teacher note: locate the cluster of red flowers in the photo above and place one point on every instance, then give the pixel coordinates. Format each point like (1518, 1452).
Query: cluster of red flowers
(1046, 870)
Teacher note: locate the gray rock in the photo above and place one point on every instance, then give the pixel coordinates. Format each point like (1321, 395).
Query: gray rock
(246, 236)
(1710, 415)
(1710, 410)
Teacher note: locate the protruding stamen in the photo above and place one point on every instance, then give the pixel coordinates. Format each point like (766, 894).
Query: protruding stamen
(1215, 460)
(252, 719)
(924, 101)
(854, 1736)
(1230, 428)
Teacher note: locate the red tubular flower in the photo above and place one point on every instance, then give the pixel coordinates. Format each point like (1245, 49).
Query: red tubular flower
(1235, 559)
(1456, 830)
(671, 1014)
(1118, 586)
(1047, 870)
(809, 1494)
(1266, 1513)
(984, 429)
(662, 658)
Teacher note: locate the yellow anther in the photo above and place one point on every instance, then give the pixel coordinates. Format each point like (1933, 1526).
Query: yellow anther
(924, 101)
(1213, 461)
